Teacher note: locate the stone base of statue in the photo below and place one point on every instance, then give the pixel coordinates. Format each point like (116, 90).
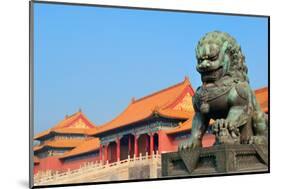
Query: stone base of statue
(216, 160)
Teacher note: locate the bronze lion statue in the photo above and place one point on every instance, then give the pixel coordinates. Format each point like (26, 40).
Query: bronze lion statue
(225, 95)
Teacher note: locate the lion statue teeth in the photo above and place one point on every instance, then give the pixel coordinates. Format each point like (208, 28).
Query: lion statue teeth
(225, 95)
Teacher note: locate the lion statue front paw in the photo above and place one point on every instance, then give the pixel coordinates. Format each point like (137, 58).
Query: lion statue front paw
(190, 144)
(226, 132)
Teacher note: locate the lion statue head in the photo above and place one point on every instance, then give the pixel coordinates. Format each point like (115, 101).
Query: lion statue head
(218, 56)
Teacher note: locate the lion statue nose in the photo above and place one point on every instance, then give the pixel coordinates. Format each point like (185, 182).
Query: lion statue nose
(204, 65)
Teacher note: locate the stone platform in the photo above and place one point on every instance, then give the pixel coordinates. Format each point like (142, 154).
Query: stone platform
(216, 160)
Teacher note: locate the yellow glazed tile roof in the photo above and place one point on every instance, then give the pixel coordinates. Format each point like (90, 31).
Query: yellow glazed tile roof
(77, 123)
(143, 108)
(87, 146)
(59, 143)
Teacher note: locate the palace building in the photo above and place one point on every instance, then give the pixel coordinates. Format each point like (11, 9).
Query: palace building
(64, 137)
(153, 124)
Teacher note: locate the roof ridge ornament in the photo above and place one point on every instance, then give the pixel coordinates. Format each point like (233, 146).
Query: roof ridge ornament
(186, 79)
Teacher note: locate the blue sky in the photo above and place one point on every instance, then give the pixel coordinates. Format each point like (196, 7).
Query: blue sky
(97, 59)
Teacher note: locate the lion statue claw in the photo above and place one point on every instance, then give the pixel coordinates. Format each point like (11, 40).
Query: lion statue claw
(225, 95)
(190, 144)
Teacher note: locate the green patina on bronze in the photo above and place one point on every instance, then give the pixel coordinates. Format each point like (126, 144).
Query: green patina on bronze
(225, 95)
(239, 124)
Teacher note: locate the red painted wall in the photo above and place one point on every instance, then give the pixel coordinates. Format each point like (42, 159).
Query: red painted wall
(76, 164)
(35, 168)
(169, 144)
(50, 163)
(55, 164)
(208, 140)
(165, 143)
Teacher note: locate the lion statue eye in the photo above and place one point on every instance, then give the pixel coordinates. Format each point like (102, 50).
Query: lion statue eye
(213, 58)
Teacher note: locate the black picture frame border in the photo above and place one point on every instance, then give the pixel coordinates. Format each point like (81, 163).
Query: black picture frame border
(31, 89)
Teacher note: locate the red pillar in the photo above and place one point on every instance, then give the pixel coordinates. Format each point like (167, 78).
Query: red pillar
(100, 152)
(106, 152)
(136, 145)
(118, 149)
(151, 144)
(159, 144)
(129, 145)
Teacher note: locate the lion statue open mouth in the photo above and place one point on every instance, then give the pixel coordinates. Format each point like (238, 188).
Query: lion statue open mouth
(225, 95)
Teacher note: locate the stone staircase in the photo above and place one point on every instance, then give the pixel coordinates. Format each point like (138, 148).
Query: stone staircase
(142, 167)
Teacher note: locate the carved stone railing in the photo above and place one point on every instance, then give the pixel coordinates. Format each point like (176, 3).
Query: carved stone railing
(97, 169)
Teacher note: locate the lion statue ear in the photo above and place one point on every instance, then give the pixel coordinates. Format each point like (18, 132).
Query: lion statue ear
(225, 47)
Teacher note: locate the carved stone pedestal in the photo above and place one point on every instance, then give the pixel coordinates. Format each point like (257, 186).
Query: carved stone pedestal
(215, 160)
